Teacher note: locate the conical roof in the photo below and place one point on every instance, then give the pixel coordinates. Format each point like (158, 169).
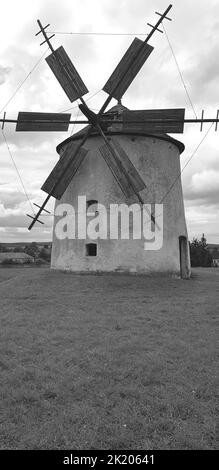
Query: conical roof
(118, 108)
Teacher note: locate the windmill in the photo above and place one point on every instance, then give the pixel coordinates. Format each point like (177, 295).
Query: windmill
(154, 121)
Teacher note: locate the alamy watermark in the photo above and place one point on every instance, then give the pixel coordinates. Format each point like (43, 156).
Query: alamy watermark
(118, 221)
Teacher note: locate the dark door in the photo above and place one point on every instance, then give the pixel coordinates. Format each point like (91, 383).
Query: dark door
(184, 257)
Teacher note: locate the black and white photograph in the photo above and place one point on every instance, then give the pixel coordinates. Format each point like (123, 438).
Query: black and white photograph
(109, 231)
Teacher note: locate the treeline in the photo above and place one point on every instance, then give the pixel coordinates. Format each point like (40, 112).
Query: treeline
(199, 254)
(37, 252)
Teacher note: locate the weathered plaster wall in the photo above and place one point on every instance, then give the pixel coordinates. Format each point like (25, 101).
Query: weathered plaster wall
(159, 165)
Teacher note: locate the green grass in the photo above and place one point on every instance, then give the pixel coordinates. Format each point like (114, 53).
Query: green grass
(107, 361)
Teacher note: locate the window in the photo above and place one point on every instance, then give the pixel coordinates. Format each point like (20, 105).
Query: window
(91, 202)
(91, 249)
(94, 203)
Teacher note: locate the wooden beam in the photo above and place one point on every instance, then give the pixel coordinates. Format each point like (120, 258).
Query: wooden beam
(127, 69)
(46, 122)
(136, 180)
(162, 120)
(66, 74)
(117, 169)
(65, 169)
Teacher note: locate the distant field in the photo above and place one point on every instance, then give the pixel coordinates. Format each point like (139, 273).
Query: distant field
(107, 361)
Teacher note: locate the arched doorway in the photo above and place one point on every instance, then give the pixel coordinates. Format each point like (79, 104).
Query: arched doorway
(184, 257)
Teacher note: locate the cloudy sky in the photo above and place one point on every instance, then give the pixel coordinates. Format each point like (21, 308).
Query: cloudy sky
(194, 36)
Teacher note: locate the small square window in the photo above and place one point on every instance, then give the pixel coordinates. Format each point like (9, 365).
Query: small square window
(91, 249)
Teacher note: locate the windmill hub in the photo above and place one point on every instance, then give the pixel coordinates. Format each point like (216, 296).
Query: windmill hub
(91, 116)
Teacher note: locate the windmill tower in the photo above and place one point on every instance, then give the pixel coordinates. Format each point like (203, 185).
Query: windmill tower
(121, 157)
(156, 159)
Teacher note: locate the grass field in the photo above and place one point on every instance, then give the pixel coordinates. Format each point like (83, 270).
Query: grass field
(107, 361)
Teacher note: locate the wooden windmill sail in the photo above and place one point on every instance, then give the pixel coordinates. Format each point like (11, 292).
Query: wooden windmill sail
(151, 121)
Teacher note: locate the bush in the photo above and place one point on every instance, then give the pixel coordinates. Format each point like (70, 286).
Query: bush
(45, 254)
(12, 261)
(40, 261)
(8, 261)
(32, 249)
(199, 253)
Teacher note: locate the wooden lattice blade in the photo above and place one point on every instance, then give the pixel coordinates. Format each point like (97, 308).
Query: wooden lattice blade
(113, 164)
(122, 168)
(65, 169)
(43, 122)
(66, 74)
(135, 178)
(165, 120)
(127, 69)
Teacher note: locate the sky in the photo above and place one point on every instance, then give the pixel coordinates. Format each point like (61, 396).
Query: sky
(194, 38)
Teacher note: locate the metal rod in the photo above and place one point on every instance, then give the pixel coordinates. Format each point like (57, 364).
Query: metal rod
(112, 121)
(166, 17)
(201, 127)
(216, 125)
(45, 36)
(37, 205)
(40, 121)
(49, 39)
(3, 121)
(157, 29)
(37, 220)
(158, 23)
(43, 29)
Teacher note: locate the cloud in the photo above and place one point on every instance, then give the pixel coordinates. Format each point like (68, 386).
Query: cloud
(4, 72)
(203, 75)
(195, 42)
(13, 221)
(204, 183)
(202, 220)
(208, 179)
(18, 221)
(11, 234)
(12, 200)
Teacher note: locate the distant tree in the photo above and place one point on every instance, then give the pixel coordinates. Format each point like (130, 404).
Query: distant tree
(40, 261)
(45, 254)
(4, 248)
(18, 249)
(199, 253)
(203, 241)
(32, 249)
(8, 261)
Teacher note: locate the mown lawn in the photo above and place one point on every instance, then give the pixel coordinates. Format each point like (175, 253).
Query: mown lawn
(107, 361)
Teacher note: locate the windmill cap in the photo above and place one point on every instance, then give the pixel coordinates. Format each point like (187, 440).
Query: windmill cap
(118, 108)
(118, 111)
